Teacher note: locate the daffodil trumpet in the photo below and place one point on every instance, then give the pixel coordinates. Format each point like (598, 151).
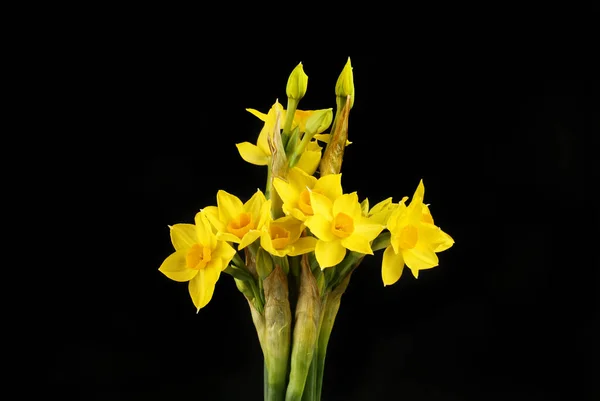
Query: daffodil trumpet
(292, 249)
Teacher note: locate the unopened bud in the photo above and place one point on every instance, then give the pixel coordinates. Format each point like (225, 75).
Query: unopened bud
(297, 83)
(319, 121)
(264, 263)
(345, 83)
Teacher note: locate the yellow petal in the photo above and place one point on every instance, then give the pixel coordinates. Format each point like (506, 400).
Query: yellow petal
(330, 185)
(396, 215)
(202, 286)
(303, 245)
(183, 236)
(254, 204)
(357, 243)
(252, 154)
(265, 214)
(261, 116)
(366, 229)
(415, 208)
(446, 242)
(320, 227)
(420, 191)
(229, 205)
(329, 253)
(204, 231)
(309, 161)
(174, 267)
(300, 180)
(391, 266)
(229, 237)
(212, 213)
(297, 213)
(223, 251)
(287, 192)
(347, 204)
(420, 258)
(321, 205)
(249, 238)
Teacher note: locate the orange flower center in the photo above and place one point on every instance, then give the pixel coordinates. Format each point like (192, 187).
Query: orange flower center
(240, 225)
(343, 225)
(280, 237)
(304, 203)
(408, 236)
(198, 257)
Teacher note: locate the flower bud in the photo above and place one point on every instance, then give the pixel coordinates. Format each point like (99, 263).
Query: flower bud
(345, 83)
(319, 121)
(264, 263)
(297, 83)
(244, 288)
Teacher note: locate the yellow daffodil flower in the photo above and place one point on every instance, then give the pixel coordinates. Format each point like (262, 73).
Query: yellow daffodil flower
(414, 239)
(260, 153)
(236, 221)
(340, 225)
(295, 192)
(283, 237)
(198, 258)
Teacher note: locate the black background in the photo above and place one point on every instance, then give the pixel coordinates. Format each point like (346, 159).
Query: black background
(502, 143)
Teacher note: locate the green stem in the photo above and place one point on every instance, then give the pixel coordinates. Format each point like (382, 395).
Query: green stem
(310, 388)
(277, 333)
(292, 104)
(331, 306)
(265, 382)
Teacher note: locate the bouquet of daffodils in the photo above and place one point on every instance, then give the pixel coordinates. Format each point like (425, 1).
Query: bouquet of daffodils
(292, 249)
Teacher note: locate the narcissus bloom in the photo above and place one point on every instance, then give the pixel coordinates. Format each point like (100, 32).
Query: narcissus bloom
(283, 237)
(236, 221)
(260, 153)
(414, 239)
(340, 225)
(198, 258)
(295, 192)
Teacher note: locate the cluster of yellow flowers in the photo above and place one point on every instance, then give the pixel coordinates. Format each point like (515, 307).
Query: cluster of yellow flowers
(299, 213)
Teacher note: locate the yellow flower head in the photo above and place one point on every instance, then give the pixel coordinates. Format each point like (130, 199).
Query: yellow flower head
(283, 237)
(295, 192)
(260, 153)
(198, 258)
(340, 225)
(414, 239)
(236, 221)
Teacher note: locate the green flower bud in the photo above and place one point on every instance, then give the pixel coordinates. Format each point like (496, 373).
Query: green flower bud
(264, 263)
(244, 288)
(319, 121)
(297, 83)
(345, 83)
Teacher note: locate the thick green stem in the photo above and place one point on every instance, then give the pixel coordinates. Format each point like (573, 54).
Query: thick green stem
(307, 315)
(331, 306)
(278, 319)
